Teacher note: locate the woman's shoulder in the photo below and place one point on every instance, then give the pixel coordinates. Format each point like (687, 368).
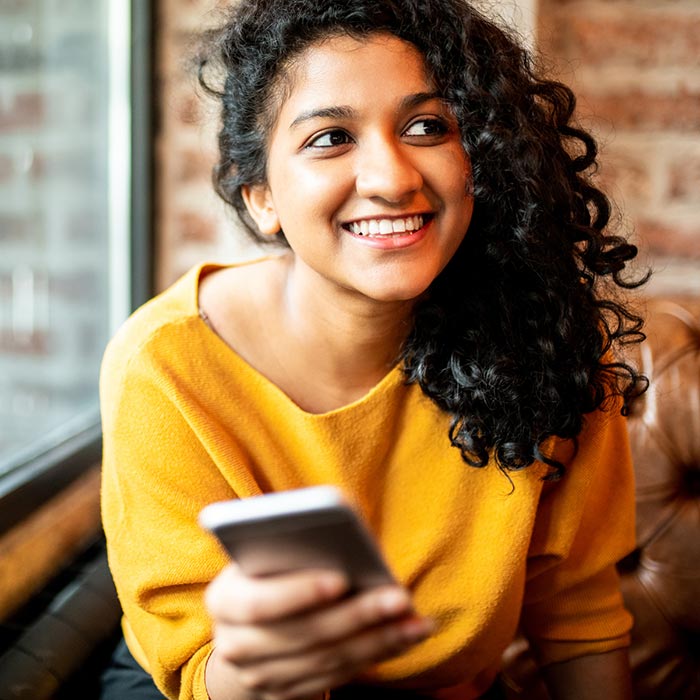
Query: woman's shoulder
(168, 309)
(211, 290)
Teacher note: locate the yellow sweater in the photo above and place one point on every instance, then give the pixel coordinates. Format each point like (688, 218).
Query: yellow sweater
(187, 422)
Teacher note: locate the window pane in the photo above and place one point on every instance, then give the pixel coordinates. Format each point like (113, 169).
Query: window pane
(54, 217)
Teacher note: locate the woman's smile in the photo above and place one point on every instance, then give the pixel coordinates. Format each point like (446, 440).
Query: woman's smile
(390, 226)
(366, 176)
(390, 233)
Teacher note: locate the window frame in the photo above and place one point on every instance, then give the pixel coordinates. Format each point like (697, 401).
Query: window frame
(38, 478)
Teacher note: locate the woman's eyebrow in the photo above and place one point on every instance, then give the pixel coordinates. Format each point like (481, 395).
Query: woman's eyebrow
(347, 112)
(340, 112)
(418, 99)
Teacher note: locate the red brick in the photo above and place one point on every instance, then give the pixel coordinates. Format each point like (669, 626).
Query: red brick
(684, 181)
(647, 111)
(23, 344)
(8, 6)
(192, 166)
(26, 110)
(196, 227)
(626, 176)
(188, 109)
(640, 39)
(660, 239)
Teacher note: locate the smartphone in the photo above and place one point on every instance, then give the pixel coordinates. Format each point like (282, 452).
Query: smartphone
(304, 528)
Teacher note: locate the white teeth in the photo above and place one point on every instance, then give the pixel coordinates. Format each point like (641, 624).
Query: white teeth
(384, 227)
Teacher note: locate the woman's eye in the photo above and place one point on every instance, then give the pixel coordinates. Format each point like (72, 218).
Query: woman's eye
(329, 139)
(426, 127)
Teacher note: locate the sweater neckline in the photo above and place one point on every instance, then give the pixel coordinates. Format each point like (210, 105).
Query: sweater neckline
(388, 383)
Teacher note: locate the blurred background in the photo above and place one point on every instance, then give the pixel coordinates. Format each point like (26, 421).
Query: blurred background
(106, 149)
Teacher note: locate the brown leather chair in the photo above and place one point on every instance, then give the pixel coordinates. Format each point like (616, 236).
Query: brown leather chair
(661, 577)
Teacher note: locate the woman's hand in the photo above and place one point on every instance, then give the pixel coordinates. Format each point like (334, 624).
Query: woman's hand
(294, 636)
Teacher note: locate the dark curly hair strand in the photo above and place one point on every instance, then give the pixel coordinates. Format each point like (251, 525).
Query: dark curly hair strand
(514, 338)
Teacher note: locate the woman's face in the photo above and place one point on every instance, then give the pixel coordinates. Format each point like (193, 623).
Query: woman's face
(366, 174)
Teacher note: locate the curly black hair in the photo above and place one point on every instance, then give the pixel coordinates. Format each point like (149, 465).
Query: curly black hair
(513, 338)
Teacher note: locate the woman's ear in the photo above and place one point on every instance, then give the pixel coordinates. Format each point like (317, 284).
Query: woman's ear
(258, 200)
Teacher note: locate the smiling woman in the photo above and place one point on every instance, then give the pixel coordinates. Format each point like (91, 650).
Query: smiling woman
(362, 140)
(436, 338)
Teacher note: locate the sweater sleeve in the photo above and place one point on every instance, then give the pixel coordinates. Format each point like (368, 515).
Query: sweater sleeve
(157, 475)
(585, 524)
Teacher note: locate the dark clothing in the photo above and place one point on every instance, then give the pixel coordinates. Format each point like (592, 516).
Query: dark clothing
(126, 679)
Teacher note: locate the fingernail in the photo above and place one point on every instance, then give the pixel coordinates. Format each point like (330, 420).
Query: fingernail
(393, 602)
(332, 584)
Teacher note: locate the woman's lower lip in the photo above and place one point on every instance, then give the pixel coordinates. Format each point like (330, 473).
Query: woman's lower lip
(392, 241)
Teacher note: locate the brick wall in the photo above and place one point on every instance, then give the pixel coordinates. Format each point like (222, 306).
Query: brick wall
(635, 64)
(636, 67)
(192, 222)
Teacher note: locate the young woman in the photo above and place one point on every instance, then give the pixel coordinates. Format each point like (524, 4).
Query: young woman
(437, 338)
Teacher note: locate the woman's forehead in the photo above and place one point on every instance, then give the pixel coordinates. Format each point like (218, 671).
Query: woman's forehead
(339, 63)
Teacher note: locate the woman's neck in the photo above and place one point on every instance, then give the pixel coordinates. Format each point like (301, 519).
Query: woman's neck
(340, 343)
(349, 326)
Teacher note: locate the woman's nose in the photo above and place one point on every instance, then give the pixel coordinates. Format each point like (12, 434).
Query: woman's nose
(385, 170)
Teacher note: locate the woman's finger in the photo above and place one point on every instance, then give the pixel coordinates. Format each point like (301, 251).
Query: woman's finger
(332, 665)
(243, 644)
(234, 598)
